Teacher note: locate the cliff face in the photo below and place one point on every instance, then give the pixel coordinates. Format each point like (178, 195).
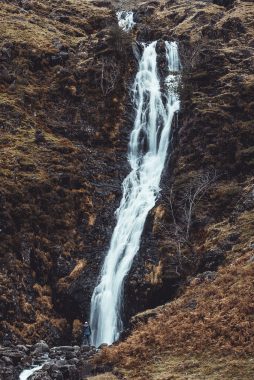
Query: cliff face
(205, 265)
(63, 150)
(212, 142)
(64, 133)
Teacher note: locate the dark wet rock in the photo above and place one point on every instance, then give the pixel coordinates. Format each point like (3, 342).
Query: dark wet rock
(14, 355)
(63, 362)
(137, 50)
(102, 3)
(64, 349)
(211, 260)
(144, 316)
(39, 137)
(146, 9)
(234, 237)
(40, 348)
(11, 358)
(103, 345)
(85, 349)
(41, 375)
(224, 3)
(7, 360)
(5, 76)
(191, 304)
(206, 276)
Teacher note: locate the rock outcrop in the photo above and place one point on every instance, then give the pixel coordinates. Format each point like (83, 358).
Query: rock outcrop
(65, 74)
(212, 141)
(62, 362)
(201, 261)
(64, 78)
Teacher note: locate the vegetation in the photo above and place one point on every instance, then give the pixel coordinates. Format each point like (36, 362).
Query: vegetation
(63, 80)
(57, 132)
(205, 330)
(213, 316)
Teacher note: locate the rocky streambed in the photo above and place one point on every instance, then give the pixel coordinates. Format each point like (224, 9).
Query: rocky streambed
(40, 362)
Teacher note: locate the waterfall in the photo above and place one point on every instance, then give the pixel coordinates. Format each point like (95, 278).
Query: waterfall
(40, 361)
(148, 149)
(125, 20)
(28, 372)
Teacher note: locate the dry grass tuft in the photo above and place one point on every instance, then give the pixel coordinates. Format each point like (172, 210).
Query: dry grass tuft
(104, 376)
(220, 322)
(75, 273)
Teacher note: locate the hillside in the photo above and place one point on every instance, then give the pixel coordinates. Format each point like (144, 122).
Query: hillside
(66, 70)
(62, 160)
(207, 331)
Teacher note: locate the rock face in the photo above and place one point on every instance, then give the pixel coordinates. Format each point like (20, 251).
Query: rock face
(64, 80)
(61, 363)
(63, 147)
(212, 140)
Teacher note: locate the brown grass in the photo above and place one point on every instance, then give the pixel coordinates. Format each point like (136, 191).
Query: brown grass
(208, 332)
(194, 367)
(75, 273)
(221, 323)
(104, 376)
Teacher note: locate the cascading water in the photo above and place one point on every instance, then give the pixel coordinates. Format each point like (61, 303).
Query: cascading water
(28, 372)
(148, 148)
(125, 20)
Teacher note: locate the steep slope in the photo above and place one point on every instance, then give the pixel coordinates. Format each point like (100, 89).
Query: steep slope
(65, 75)
(214, 137)
(211, 320)
(63, 149)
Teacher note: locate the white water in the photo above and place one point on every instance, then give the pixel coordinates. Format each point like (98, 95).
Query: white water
(148, 150)
(125, 20)
(28, 372)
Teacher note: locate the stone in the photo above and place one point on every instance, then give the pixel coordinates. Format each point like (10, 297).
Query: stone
(211, 260)
(7, 360)
(85, 348)
(224, 3)
(191, 304)
(208, 276)
(63, 349)
(40, 375)
(39, 137)
(40, 348)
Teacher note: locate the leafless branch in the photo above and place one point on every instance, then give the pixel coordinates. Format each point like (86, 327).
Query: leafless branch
(193, 194)
(182, 209)
(110, 74)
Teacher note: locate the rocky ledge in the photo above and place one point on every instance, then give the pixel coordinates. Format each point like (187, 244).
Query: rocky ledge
(59, 363)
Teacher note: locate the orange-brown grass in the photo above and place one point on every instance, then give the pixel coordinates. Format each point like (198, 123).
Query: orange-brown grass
(193, 367)
(104, 376)
(75, 273)
(222, 322)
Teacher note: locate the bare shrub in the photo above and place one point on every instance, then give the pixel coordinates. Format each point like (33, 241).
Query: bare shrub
(190, 55)
(183, 207)
(114, 64)
(119, 40)
(110, 75)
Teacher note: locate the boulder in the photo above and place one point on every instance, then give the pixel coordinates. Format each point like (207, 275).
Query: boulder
(40, 348)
